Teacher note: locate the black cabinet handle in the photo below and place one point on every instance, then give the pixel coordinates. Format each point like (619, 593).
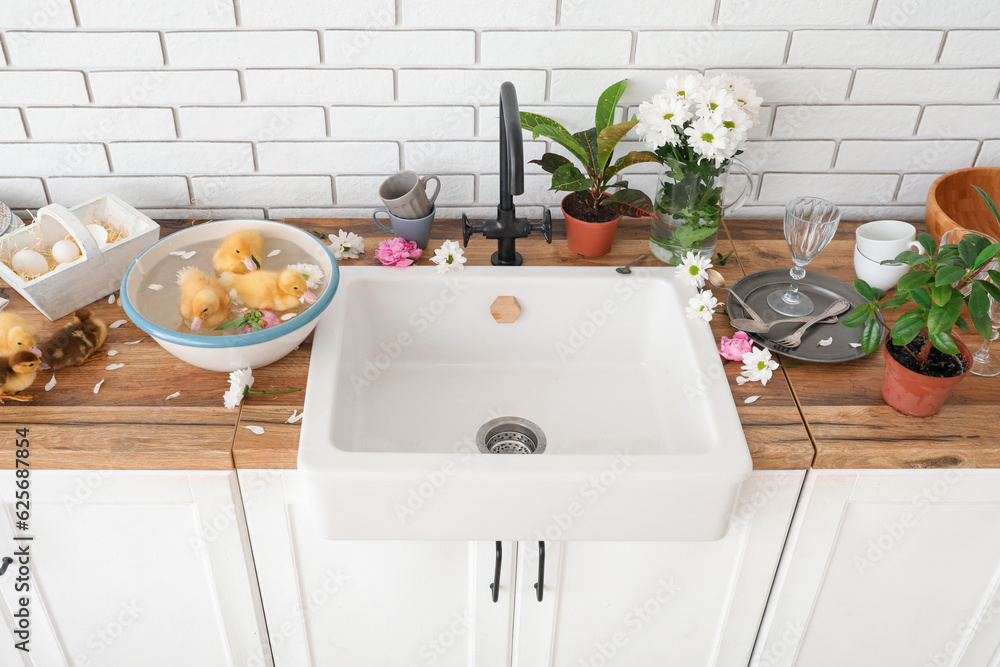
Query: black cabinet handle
(541, 571)
(495, 586)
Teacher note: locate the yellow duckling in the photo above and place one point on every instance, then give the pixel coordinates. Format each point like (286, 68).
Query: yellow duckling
(76, 342)
(17, 372)
(237, 252)
(204, 301)
(270, 289)
(16, 335)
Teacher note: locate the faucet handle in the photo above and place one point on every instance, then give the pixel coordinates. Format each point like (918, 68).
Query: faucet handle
(545, 226)
(468, 229)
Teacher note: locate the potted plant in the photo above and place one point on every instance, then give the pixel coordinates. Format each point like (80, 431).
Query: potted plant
(924, 358)
(592, 212)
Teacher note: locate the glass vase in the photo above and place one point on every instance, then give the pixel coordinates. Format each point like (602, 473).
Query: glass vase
(689, 205)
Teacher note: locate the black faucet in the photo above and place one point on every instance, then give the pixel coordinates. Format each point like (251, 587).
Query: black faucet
(507, 226)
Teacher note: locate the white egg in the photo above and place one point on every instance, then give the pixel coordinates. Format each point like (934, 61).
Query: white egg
(29, 261)
(99, 233)
(64, 251)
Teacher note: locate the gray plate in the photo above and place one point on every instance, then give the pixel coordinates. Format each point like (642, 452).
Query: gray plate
(823, 290)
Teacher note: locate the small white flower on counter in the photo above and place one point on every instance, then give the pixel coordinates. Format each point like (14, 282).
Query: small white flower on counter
(449, 257)
(312, 274)
(757, 367)
(113, 367)
(276, 251)
(751, 399)
(51, 383)
(347, 245)
(702, 307)
(97, 387)
(693, 269)
(155, 287)
(117, 324)
(173, 395)
(825, 342)
(239, 382)
(256, 430)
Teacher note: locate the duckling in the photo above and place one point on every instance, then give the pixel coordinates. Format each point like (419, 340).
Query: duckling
(16, 335)
(76, 342)
(204, 301)
(269, 289)
(17, 372)
(237, 252)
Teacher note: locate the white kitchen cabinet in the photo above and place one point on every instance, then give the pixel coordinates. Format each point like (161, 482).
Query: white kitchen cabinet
(889, 568)
(131, 568)
(603, 603)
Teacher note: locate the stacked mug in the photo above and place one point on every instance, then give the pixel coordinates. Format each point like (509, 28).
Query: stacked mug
(879, 241)
(410, 209)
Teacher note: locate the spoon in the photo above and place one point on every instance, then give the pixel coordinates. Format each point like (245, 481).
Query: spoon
(625, 269)
(717, 280)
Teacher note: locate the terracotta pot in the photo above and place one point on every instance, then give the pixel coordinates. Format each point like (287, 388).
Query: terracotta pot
(590, 239)
(915, 394)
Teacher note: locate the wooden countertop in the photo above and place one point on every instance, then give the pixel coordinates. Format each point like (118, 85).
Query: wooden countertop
(832, 414)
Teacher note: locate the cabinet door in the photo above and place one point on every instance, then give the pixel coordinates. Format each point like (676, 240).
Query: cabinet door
(131, 568)
(656, 603)
(889, 568)
(368, 603)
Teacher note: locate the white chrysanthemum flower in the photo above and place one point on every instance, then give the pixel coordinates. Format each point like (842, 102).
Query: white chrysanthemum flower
(240, 382)
(713, 102)
(707, 137)
(693, 269)
(746, 96)
(685, 87)
(661, 119)
(757, 366)
(449, 257)
(738, 122)
(347, 245)
(313, 274)
(702, 307)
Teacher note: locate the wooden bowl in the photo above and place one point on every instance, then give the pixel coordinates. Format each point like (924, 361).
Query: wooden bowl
(952, 202)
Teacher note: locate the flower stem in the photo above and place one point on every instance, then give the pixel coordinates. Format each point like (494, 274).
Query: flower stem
(247, 392)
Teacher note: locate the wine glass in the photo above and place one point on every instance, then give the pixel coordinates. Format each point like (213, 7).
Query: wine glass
(810, 223)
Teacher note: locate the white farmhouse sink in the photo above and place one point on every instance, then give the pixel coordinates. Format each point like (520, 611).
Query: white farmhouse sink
(643, 441)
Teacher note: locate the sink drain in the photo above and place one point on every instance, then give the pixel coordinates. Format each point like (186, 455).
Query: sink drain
(510, 435)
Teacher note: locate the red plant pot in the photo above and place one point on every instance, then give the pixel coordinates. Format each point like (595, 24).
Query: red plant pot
(915, 394)
(590, 239)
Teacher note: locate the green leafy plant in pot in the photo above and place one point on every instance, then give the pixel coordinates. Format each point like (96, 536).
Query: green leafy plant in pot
(924, 359)
(591, 209)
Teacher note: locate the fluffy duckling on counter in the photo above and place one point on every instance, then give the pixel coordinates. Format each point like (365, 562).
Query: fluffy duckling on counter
(270, 289)
(76, 342)
(237, 251)
(17, 372)
(16, 335)
(204, 301)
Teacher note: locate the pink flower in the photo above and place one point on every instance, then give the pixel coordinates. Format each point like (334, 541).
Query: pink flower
(734, 348)
(266, 320)
(397, 252)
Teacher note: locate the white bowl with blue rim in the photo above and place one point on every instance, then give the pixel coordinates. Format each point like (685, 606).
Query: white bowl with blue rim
(228, 353)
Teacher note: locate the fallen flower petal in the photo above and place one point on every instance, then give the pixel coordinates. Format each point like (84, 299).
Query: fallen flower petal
(276, 251)
(111, 298)
(287, 316)
(751, 399)
(174, 395)
(855, 344)
(133, 342)
(825, 342)
(51, 383)
(296, 416)
(189, 254)
(97, 387)
(112, 353)
(113, 367)
(256, 430)
(118, 324)
(155, 287)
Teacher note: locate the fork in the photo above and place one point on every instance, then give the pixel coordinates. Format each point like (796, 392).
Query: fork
(795, 339)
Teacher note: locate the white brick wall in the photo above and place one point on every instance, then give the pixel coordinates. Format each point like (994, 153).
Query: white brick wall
(302, 107)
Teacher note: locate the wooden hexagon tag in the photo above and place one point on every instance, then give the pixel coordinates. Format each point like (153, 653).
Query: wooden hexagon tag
(505, 309)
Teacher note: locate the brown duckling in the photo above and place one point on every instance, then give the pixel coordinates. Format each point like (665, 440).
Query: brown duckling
(17, 372)
(76, 342)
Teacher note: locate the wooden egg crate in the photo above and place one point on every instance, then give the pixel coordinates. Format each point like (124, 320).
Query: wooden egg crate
(99, 269)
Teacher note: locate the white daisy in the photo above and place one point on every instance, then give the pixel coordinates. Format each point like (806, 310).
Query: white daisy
(757, 366)
(312, 274)
(347, 245)
(693, 269)
(707, 136)
(702, 307)
(746, 96)
(449, 257)
(684, 87)
(714, 102)
(240, 382)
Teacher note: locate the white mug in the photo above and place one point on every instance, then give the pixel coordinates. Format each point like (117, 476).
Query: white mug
(884, 239)
(877, 275)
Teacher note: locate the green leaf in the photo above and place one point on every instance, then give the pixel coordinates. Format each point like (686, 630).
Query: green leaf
(906, 328)
(255, 261)
(962, 324)
(908, 257)
(941, 319)
(895, 302)
(994, 276)
(550, 162)
(989, 202)
(928, 242)
(946, 275)
(987, 253)
(864, 289)
(587, 140)
(967, 251)
(609, 137)
(860, 315)
(990, 288)
(922, 298)
(913, 280)
(607, 104)
(632, 203)
(546, 127)
(627, 160)
(979, 310)
(570, 179)
(944, 342)
(941, 293)
(947, 254)
(871, 336)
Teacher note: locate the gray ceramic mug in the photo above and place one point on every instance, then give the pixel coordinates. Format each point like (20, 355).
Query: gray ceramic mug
(405, 194)
(411, 229)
